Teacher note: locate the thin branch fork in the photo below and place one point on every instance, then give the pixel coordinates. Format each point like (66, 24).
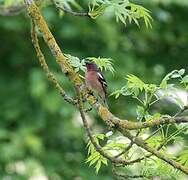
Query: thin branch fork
(89, 133)
(45, 67)
(139, 142)
(64, 9)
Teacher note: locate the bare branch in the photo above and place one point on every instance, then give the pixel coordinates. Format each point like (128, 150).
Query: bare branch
(12, 10)
(69, 11)
(64, 9)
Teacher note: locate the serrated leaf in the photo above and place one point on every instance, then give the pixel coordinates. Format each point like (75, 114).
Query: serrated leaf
(95, 155)
(104, 161)
(97, 167)
(115, 145)
(100, 136)
(134, 84)
(163, 84)
(123, 10)
(94, 160)
(117, 95)
(103, 63)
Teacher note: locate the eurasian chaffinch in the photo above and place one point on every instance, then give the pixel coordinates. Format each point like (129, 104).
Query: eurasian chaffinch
(95, 80)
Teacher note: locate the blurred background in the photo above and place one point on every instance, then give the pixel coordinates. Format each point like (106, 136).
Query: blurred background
(41, 136)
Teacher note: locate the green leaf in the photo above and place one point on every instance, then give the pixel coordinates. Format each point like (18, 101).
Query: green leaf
(97, 167)
(183, 159)
(95, 155)
(185, 79)
(104, 161)
(164, 82)
(154, 117)
(76, 63)
(100, 136)
(135, 85)
(138, 12)
(123, 11)
(181, 71)
(140, 111)
(115, 146)
(134, 81)
(123, 91)
(103, 63)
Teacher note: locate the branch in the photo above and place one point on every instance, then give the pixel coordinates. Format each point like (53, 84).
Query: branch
(12, 10)
(45, 67)
(139, 142)
(69, 11)
(128, 147)
(106, 115)
(36, 16)
(89, 134)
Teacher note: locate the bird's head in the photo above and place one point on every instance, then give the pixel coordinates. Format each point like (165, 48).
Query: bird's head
(91, 66)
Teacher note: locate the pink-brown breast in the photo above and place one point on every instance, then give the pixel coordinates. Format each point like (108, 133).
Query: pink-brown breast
(93, 83)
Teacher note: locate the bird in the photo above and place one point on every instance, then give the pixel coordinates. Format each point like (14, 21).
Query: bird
(95, 80)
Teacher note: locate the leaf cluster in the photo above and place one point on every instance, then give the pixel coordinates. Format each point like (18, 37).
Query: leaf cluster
(149, 94)
(123, 10)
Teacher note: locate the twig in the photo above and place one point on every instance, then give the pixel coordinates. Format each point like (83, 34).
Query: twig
(73, 12)
(12, 10)
(69, 11)
(128, 147)
(139, 142)
(181, 111)
(151, 135)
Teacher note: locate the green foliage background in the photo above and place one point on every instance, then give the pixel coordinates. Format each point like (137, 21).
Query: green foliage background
(37, 132)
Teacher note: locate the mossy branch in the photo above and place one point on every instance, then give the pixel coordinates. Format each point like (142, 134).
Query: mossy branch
(45, 67)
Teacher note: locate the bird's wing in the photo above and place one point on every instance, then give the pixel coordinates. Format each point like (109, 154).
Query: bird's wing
(103, 82)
